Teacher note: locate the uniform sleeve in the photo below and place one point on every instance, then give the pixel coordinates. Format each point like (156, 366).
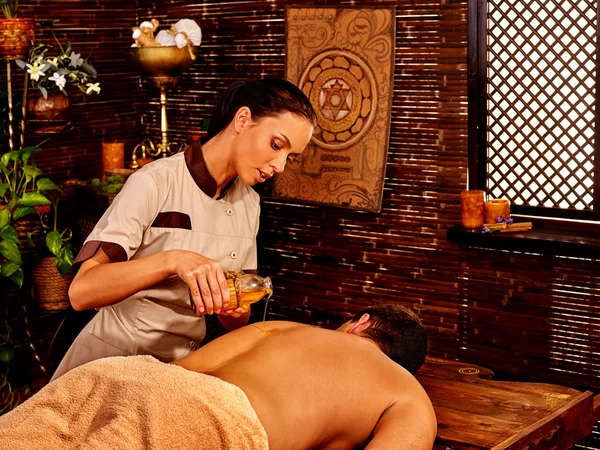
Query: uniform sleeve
(120, 230)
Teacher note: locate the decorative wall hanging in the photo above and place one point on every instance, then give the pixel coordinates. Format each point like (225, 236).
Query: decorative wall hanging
(342, 59)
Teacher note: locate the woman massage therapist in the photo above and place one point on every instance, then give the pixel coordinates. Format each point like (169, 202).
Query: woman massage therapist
(178, 223)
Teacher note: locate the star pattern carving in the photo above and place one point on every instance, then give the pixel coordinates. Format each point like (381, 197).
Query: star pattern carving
(336, 99)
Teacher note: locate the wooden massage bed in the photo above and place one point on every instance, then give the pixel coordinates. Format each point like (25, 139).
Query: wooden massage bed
(476, 412)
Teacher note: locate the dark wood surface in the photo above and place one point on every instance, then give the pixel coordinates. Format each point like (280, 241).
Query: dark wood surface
(542, 238)
(476, 412)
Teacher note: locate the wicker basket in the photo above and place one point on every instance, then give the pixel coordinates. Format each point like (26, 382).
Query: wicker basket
(29, 224)
(51, 288)
(16, 37)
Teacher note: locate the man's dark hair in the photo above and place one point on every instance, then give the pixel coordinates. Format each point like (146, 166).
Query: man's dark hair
(264, 98)
(398, 332)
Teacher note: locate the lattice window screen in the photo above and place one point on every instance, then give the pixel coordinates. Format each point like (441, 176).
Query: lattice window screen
(541, 102)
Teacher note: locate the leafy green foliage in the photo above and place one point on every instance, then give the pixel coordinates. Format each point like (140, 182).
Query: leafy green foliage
(9, 8)
(112, 185)
(22, 189)
(59, 246)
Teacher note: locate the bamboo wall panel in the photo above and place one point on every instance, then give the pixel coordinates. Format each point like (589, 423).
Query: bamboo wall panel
(327, 262)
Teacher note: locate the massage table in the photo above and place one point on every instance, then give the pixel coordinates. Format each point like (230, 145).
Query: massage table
(475, 412)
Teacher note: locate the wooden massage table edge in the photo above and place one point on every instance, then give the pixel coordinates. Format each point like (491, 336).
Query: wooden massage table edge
(477, 412)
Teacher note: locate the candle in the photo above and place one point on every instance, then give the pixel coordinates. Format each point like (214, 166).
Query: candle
(113, 156)
(472, 208)
(496, 208)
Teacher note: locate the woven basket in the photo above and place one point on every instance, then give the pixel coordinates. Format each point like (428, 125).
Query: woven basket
(29, 224)
(51, 288)
(16, 37)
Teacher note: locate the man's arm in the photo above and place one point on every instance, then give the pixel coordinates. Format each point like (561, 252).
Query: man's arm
(405, 426)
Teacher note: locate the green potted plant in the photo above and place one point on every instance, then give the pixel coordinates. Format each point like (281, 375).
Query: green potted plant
(22, 202)
(52, 274)
(17, 33)
(53, 70)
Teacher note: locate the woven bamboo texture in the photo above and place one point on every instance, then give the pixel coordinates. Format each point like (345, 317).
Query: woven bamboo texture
(51, 288)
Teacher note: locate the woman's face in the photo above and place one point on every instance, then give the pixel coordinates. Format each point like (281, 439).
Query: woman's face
(265, 146)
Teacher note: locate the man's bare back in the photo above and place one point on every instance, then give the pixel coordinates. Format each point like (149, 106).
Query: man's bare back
(321, 389)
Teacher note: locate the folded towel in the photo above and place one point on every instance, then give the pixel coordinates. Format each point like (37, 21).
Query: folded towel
(134, 402)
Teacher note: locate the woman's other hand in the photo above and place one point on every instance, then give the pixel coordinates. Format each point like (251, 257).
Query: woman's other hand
(207, 284)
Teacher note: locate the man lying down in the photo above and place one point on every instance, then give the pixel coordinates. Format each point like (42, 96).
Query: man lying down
(277, 385)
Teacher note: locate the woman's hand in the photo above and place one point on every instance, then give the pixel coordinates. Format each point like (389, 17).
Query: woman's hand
(232, 319)
(235, 313)
(205, 279)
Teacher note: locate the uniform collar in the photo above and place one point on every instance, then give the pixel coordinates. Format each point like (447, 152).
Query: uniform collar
(194, 160)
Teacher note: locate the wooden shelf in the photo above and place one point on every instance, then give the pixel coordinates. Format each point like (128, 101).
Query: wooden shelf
(544, 238)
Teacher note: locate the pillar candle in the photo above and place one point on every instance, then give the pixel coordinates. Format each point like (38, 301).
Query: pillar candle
(113, 156)
(496, 208)
(472, 208)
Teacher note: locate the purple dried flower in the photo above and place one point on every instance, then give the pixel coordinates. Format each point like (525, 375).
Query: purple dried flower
(485, 229)
(508, 221)
(499, 219)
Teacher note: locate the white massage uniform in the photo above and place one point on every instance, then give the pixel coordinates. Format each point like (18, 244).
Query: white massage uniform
(165, 205)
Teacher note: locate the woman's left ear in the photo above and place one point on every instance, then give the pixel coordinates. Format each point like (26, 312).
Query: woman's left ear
(242, 118)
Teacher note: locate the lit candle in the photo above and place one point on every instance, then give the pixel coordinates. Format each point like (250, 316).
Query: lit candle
(113, 156)
(496, 208)
(471, 208)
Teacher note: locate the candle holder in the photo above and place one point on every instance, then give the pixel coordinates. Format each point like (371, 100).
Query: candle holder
(113, 156)
(472, 208)
(497, 208)
(162, 66)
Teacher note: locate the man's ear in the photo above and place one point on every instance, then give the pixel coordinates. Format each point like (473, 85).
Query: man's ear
(242, 118)
(360, 325)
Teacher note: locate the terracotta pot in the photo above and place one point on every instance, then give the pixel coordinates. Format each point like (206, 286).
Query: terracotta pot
(48, 114)
(16, 37)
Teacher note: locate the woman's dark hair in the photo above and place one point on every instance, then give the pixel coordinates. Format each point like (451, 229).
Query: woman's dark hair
(264, 98)
(398, 332)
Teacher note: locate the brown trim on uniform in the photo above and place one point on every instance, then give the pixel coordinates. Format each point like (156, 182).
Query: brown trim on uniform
(115, 252)
(194, 160)
(173, 219)
(250, 271)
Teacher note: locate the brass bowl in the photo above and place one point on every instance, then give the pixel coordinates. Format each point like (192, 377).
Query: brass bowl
(163, 65)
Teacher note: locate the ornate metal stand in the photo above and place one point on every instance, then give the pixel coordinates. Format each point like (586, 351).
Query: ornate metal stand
(162, 66)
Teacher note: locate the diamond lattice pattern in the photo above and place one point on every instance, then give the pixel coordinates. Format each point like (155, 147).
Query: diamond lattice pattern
(541, 102)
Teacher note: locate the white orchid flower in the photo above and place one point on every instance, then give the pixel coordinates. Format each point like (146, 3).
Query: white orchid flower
(35, 71)
(76, 59)
(59, 80)
(93, 87)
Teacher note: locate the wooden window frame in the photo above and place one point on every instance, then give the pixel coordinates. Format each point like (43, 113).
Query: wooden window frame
(477, 118)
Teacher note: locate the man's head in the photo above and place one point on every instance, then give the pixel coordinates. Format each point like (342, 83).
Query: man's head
(397, 331)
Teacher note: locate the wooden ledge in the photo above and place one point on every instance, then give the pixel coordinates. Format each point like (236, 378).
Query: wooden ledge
(545, 238)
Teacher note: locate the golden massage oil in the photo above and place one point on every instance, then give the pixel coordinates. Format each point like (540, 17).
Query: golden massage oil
(247, 289)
